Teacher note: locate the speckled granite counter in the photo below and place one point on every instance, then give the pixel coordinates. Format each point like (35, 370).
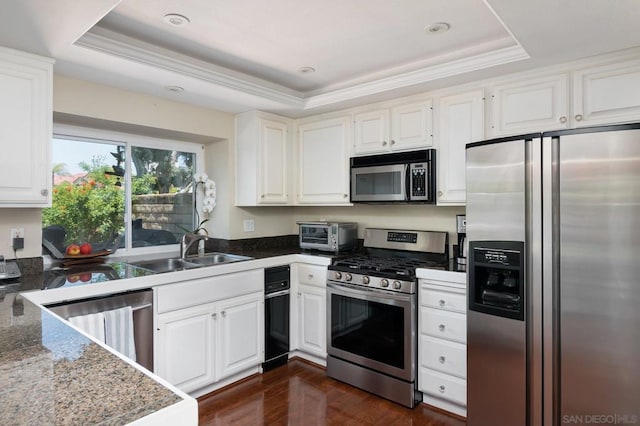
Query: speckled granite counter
(53, 375)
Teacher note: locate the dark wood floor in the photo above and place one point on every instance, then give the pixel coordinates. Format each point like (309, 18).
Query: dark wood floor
(300, 394)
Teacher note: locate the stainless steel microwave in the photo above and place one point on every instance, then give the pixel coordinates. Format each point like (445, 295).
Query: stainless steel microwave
(328, 236)
(402, 177)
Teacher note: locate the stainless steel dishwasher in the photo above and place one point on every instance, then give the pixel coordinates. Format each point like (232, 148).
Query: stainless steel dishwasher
(141, 302)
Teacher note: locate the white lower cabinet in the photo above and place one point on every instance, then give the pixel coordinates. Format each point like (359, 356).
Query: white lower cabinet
(442, 349)
(241, 334)
(185, 341)
(312, 306)
(309, 307)
(208, 330)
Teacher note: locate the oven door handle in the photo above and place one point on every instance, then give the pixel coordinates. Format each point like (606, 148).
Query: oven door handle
(368, 293)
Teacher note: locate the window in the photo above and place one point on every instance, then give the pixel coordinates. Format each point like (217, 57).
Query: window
(119, 191)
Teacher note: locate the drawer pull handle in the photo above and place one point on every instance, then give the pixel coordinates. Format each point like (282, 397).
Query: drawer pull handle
(224, 313)
(441, 388)
(441, 327)
(310, 276)
(441, 303)
(441, 359)
(214, 315)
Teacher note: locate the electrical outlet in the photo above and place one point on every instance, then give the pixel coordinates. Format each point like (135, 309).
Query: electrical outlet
(249, 225)
(17, 233)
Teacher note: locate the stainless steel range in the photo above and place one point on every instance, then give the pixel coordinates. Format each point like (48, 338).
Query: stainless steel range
(372, 311)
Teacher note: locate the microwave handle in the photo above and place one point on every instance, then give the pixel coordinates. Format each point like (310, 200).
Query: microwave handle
(407, 182)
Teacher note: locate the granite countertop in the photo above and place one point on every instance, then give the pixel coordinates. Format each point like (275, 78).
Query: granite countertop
(53, 375)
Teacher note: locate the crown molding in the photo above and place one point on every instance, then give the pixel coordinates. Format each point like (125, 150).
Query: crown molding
(134, 50)
(424, 75)
(131, 49)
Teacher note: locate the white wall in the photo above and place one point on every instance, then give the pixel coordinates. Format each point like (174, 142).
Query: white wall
(31, 221)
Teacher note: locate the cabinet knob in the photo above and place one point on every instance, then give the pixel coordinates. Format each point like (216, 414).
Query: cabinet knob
(578, 117)
(384, 143)
(393, 142)
(441, 360)
(262, 196)
(440, 193)
(224, 313)
(344, 195)
(441, 388)
(310, 276)
(44, 192)
(299, 294)
(214, 315)
(441, 303)
(441, 327)
(563, 119)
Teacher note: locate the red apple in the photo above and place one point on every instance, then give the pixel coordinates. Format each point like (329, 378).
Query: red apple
(85, 248)
(73, 250)
(85, 277)
(73, 278)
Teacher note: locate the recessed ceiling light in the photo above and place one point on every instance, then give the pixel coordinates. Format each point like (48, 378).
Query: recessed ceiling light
(437, 28)
(176, 20)
(307, 70)
(174, 88)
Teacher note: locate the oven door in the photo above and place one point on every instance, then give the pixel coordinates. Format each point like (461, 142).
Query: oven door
(379, 183)
(372, 328)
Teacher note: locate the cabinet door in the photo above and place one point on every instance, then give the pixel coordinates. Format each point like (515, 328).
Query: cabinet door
(241, 334)
(372, 132)
(312, 306)
(273, 182)
(25, 120)
(534, 105)
(412, 126)
(461, 121)
(607, 94)
(323, 166)
(184, 347)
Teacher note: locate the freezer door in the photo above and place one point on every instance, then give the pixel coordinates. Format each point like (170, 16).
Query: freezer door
(496, 345)
(496, 191)
(597, 276)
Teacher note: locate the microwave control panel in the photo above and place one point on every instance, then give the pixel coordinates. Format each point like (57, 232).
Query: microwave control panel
(418, 181)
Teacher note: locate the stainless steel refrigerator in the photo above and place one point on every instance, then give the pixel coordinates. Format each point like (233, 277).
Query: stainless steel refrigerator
(553, 326)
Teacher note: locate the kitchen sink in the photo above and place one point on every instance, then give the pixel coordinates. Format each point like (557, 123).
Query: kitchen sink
(217, 258)
(160, 266)
(165, 265)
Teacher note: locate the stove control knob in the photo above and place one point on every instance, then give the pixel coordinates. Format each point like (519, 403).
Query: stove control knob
(338, 275)
(384, 282)
(365, 280)
(397, 285)
(347, 276)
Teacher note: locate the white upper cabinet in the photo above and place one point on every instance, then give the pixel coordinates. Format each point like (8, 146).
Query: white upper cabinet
(371, 132)
(323, 162)
(460, 121)
(532, 105)
(262, 153)
(607, 94)
(399, 128)
(25, 119)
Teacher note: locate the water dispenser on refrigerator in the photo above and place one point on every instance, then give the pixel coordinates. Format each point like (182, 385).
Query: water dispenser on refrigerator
(496, 278)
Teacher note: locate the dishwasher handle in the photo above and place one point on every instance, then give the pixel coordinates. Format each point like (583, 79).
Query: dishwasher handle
(276, 294)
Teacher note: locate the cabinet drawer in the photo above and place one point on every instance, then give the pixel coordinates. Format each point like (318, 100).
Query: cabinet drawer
(443, 324)
(443, 355)
(443, 299)
(312, 275)
(443, 386)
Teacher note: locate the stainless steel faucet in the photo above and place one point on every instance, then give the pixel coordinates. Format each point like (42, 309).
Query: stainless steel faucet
(188, 240)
